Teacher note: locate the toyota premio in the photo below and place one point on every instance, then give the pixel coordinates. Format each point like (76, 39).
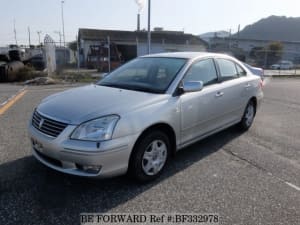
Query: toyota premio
(140, 114)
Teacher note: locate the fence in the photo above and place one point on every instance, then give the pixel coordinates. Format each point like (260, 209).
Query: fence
(273, 62)
(276, 62)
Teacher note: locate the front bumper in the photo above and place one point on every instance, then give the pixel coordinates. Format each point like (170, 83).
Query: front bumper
(108, 158)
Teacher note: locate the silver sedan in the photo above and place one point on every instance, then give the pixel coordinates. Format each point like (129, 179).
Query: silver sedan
(136, 117)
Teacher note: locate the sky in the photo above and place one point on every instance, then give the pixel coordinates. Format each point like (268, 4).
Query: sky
(190, 16)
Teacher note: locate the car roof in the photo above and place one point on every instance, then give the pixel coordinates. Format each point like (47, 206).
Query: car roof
(187, 55)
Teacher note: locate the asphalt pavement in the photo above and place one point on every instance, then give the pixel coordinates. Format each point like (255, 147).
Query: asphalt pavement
(247, 178)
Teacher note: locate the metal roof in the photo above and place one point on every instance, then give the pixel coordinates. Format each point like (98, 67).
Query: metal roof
(167, 37)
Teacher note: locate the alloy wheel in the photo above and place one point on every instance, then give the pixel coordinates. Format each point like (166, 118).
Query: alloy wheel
(154, 158)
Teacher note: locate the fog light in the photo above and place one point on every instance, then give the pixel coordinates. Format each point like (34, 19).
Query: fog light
(91, 169)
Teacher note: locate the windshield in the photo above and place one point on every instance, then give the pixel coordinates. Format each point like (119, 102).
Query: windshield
(145, 74)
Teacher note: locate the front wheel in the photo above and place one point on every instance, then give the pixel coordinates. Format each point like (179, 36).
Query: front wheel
(149, 156)
(248, 116)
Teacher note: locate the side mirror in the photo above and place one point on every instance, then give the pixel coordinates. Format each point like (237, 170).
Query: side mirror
(192, 86)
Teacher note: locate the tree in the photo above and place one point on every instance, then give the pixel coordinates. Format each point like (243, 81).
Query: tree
(73, 46)
(274, 52)
(258, 55)
(268, 55)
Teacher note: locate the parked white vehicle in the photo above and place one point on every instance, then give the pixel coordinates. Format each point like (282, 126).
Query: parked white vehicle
(143, 112)
(283, 65)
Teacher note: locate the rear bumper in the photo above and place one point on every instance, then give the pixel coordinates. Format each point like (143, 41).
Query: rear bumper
(82, 158)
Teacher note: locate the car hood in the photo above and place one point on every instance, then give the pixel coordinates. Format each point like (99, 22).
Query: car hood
(89, 102)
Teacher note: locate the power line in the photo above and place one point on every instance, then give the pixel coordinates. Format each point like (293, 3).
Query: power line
(59, 33)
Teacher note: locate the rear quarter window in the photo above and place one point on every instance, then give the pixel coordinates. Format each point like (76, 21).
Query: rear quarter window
(227, 69)
(241, 72)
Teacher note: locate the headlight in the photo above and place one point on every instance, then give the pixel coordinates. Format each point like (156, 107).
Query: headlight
(100, 129)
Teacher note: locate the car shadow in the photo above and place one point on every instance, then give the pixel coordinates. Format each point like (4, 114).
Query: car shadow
(32, 192)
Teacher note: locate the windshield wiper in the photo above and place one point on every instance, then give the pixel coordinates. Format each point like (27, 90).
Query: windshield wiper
(145, 89)
(131, 87)
(113, 85)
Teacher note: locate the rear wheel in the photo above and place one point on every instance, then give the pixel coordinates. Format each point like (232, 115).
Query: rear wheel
(248, 116)
(149, 156)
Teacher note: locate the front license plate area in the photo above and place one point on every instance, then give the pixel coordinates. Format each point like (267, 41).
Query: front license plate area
(37, 145)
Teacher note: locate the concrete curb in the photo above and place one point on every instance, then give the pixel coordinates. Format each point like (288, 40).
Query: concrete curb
(283, 76)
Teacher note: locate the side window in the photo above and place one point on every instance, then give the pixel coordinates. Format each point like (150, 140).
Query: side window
(204, 71)
(241, 72)
(227, 69)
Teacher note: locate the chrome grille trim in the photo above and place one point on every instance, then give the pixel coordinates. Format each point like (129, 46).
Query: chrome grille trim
(46, 125)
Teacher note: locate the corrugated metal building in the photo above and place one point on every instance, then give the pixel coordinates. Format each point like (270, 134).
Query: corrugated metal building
(131, 44)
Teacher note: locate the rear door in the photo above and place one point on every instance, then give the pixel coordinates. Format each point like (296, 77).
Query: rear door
(233, 92)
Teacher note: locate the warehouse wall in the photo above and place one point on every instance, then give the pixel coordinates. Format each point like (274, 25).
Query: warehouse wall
(142, 48)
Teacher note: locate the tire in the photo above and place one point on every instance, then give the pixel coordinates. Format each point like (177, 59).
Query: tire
(149, 156)
(248, 116)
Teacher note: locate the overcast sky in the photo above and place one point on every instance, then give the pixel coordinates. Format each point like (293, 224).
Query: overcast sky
(192, 16)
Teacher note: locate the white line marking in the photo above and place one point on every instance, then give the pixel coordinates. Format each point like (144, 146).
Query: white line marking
(3, 103)
(11, 97)
(293, 186)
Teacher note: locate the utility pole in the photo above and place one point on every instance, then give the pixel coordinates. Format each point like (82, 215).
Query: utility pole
(15, 32)
(63, 28)
(29, 36)
(149, 26)
(229, 44)
(39, 34)
(238, 35)
(108, 51)
(78, 56)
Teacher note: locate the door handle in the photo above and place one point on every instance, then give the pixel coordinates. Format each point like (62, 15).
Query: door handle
(219, 94)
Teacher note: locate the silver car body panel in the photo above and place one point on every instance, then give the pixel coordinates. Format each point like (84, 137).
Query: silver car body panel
(192, 116)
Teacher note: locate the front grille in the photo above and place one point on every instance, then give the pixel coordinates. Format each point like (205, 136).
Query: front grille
(47, 126)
